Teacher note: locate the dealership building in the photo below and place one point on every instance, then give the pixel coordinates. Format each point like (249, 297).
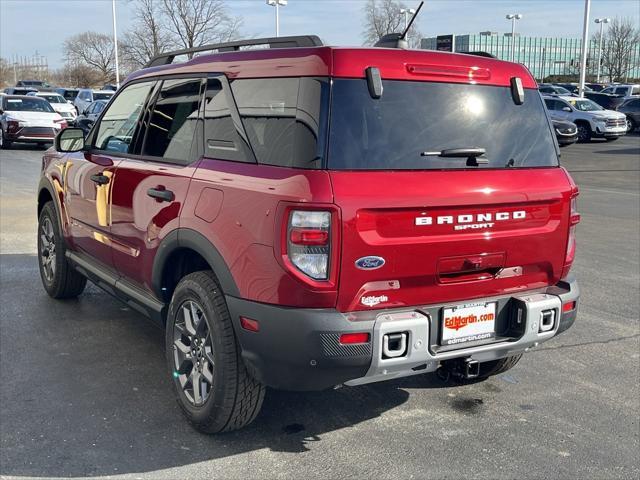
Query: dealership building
(542, 56)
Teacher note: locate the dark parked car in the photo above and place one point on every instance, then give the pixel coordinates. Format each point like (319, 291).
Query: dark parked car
(37, 84)
(69, 94)
(596, 87)
(549, 89)
(19, 90)
(605, 100)
(631, 108)
(566, 132)
(573, 87)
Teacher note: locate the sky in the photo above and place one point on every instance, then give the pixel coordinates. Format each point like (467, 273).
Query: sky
(27, 26)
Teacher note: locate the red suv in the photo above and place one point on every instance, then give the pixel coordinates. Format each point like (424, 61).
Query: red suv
(304, 217)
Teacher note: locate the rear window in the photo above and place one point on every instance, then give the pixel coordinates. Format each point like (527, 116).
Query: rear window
(70, 94)
(411, 118)
(102, 96)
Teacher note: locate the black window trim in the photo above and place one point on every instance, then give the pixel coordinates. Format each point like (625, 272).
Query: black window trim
(157, 81)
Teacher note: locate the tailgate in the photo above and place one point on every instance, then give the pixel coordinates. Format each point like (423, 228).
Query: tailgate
(449, 236)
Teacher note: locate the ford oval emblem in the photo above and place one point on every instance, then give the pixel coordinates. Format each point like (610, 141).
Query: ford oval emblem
(369, 263)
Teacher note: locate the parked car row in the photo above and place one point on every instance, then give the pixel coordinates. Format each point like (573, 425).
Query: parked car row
(624, 98)
(33, 111)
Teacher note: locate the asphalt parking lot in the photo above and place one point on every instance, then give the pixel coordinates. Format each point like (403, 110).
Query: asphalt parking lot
(83, 388)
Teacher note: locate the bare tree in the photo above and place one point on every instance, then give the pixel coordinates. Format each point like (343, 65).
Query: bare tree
(6, 73)
(94, 50)
(383, 17)
(618, 45)
(197, 22)
(77, 75)
(149, 35)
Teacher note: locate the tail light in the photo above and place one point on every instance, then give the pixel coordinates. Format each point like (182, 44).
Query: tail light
(574, 219)
(309, 242)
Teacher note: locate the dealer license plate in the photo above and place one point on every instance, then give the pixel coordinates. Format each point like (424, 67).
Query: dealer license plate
(468, 323)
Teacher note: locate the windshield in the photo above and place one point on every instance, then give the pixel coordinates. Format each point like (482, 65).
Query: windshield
(27, 105)
(412, 120)
(70, 94)
(102, 95)
(53, 98)
(585, 105)
(562, 91)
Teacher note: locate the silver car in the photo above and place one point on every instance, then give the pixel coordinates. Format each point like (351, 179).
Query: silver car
(591, 119)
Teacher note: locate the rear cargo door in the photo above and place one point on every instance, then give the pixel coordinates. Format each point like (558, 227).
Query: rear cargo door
(420, 228)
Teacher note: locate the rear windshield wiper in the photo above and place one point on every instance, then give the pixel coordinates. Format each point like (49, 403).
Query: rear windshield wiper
(471, 154)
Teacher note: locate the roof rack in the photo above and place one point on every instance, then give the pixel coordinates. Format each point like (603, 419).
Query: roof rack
(273, 42)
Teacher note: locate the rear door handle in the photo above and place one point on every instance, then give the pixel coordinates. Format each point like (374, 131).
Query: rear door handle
(100, 179)
(161, 195)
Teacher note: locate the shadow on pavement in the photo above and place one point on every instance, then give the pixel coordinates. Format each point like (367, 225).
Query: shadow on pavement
(85, 392)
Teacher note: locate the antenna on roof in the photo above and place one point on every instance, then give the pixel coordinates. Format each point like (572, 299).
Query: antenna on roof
(398, 40)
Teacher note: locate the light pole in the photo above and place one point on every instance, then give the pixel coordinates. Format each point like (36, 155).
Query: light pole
(115, 42)
(513, 17)
(585, 49)
(406, 12)
(277, 4)
(601, 21)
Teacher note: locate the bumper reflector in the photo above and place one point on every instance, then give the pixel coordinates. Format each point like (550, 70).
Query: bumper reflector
(567, 307)
(249, 324)
(350, 338)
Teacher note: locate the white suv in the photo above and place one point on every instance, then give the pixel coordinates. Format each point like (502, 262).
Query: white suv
(627, 91)
(86, 96)
(591, 119)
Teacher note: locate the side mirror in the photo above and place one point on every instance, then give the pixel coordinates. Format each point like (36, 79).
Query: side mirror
(566, 109)
(70, 140)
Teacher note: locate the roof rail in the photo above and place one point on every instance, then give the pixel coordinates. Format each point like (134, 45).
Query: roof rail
(273, 42)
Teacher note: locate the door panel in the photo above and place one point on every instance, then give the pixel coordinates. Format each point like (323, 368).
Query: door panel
(88, 182)
(140, 221)
(150, 191)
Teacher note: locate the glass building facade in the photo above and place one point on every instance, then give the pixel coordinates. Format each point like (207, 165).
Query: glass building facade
(542, 56)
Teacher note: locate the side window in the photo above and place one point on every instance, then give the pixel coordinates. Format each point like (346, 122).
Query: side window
(635, 91)
(285, 119)
(173, 121)
(221, 138)
(551, 104)
(115, 132)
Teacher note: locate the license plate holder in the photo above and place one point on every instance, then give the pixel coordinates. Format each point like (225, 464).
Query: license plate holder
(461, 324)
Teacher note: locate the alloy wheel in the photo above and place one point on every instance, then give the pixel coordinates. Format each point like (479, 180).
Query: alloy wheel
(48, 249)
(629, 125)
(193, 359)
(583, 133)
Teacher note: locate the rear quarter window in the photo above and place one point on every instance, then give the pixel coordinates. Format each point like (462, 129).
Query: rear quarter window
(284, 119)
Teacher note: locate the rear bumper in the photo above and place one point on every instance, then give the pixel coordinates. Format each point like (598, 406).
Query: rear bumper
(299, 349)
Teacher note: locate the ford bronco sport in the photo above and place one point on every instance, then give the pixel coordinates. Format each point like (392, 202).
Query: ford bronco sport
(304, 217)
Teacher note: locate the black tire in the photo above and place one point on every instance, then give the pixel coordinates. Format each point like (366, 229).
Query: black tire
(4, 143)
(631, 125)
(228, 397)
(584, 132)
(496, 367)
(59, 278)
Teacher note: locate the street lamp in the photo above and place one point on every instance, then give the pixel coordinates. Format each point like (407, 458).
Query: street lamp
(277, 4)
(601, 21)
(513, 17)
(115, 42)
(406, 12)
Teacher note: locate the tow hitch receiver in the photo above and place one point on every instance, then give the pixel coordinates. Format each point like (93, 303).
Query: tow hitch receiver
(459, 368)
(394, 345)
